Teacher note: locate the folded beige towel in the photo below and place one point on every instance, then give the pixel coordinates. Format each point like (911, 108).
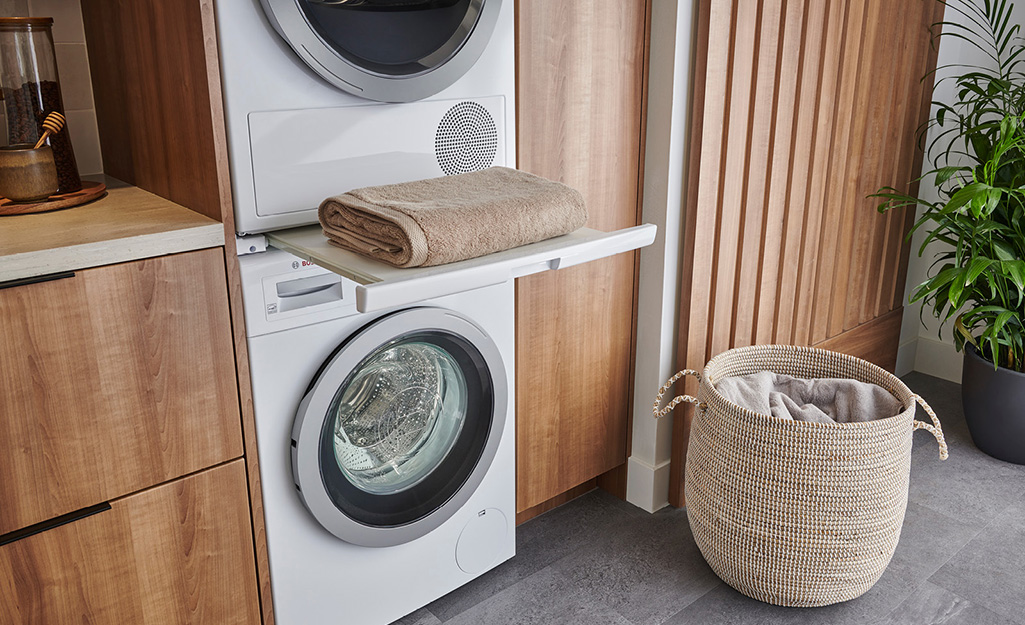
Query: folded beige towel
(442, 220)
(822, 400)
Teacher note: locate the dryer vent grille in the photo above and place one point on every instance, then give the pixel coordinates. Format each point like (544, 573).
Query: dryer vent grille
(467, 139)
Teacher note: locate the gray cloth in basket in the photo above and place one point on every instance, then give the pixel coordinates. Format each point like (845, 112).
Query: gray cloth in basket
(822, 400)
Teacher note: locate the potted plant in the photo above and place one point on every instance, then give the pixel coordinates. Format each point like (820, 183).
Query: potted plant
(979, 171)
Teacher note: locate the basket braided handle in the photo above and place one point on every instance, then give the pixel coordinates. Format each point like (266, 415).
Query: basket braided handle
(679, 398)
(935, 429)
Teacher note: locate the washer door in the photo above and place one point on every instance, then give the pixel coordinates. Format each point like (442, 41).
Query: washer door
(399, 427)
(387, 50)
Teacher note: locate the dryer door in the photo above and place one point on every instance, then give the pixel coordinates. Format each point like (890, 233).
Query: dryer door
(386, 50)
(399, 426)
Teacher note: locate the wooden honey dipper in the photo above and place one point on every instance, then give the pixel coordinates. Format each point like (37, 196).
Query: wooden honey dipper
(53, 124)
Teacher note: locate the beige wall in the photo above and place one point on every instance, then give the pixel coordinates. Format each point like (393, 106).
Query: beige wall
(73, 68)
(11, 8)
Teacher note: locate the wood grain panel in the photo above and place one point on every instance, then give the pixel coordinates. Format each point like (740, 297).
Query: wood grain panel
(580, 111)
(178, 553)
(737, 128)
(522, 516)
(781, 243)
(181, 102)
(854, 22)
(872, 341)
(789, 43)
(923, 95)
(852, 182)
(120, 377)
(756, 177)
(796, 217)
(220, 148)
(818, 228)
(904, 101)
(148, 62)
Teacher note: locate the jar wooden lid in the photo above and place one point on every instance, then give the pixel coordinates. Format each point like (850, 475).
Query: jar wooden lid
(22, 22)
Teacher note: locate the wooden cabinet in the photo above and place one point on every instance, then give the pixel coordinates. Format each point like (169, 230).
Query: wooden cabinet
(120, 380)
(178, 553)
(114, 379)
(580, 82)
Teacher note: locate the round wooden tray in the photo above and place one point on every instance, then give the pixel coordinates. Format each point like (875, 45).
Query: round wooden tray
(90, 191)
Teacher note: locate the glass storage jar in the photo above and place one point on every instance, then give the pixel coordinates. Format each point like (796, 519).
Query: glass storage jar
(31, 90)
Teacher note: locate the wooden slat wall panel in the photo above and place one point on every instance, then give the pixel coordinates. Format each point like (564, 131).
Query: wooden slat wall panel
(689, 304)
(825, 131)
(580, 104)
(802, 108)
(756, 177)
(854, 21)
(775, 205)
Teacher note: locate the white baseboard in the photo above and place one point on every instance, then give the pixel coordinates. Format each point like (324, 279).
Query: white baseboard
(906, 355)
(938, 359)
(647, 487)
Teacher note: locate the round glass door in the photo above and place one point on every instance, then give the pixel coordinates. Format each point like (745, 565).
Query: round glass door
(398, 415)
(388, 50)
(399, 427)
(393, 37)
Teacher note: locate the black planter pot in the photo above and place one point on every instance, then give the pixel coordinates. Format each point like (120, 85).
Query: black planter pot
(994, 407)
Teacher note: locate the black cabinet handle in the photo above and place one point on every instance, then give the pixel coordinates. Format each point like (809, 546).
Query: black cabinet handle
(50, 524)
(36, 279)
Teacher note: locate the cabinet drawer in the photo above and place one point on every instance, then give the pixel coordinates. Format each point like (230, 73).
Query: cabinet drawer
(178, 553)
(111, 381)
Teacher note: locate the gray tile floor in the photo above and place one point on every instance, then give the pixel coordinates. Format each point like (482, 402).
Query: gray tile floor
(596, 560)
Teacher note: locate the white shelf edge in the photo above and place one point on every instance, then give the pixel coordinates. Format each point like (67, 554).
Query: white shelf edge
(383, 286)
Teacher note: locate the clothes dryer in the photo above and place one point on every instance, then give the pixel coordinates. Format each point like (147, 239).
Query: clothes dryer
(324, 96)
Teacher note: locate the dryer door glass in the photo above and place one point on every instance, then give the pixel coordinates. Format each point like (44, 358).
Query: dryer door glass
(393, 37)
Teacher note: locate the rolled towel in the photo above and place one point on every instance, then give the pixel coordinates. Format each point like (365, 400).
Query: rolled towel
(442, 220)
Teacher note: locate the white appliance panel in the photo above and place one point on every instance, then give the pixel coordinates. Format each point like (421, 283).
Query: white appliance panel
(300, 157)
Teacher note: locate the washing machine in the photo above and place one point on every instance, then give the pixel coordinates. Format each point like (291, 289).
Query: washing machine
(386, 441)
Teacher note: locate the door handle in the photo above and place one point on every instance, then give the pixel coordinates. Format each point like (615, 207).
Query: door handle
(53, 523)
(10, 284)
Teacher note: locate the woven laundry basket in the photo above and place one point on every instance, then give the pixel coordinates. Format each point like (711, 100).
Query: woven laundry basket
(796, 513)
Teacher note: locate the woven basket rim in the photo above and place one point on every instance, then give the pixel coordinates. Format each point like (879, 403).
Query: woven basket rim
(909, 405)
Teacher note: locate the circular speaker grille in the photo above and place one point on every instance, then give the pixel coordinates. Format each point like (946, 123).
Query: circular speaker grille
(467, 139)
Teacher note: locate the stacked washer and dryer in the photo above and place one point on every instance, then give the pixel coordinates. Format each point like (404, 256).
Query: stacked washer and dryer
(385, 432)
(385, 439)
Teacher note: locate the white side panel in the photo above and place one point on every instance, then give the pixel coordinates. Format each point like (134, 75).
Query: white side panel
(301, 157)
